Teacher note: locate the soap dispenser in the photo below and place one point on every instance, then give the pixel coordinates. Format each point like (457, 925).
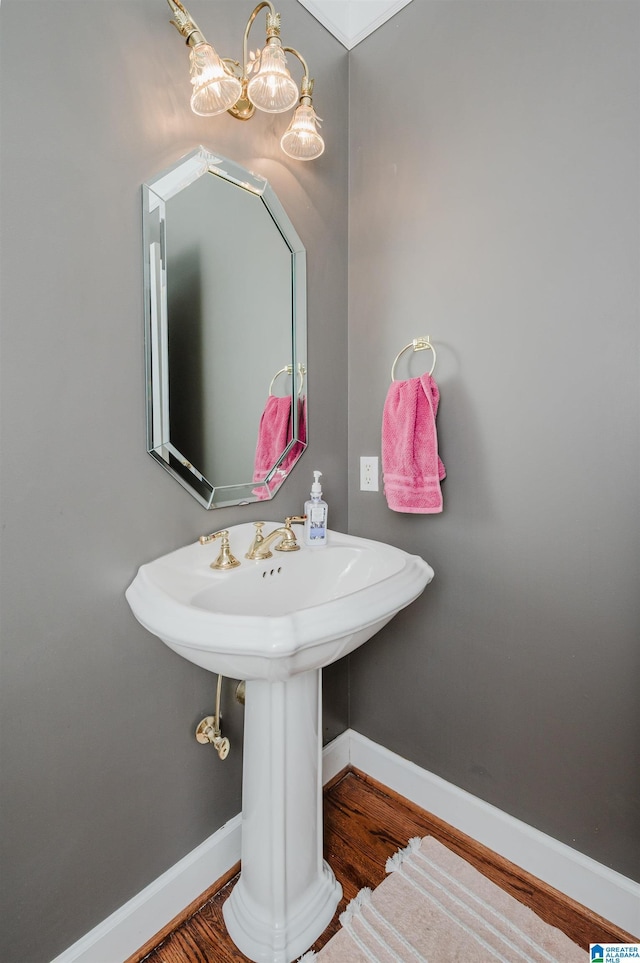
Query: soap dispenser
(316, 510)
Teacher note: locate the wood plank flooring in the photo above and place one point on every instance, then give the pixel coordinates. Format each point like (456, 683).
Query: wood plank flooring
(364, 823)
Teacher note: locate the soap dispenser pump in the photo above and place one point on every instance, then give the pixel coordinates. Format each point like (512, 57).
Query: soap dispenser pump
(316, 510)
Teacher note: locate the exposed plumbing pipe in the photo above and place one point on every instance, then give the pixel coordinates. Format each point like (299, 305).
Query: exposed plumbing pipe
(208, 730)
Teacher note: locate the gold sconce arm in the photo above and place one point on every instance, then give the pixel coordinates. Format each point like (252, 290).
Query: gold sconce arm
(306, 87)
(273, 29)
(296, 53)
(185, 24)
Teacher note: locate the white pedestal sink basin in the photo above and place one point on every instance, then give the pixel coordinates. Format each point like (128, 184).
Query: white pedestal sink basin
(276, 622)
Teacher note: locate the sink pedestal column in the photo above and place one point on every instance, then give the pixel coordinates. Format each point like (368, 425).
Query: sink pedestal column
(286, 895)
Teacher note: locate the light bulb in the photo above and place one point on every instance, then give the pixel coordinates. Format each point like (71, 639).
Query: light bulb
(301, 139)
(272, 88)
(214, 88)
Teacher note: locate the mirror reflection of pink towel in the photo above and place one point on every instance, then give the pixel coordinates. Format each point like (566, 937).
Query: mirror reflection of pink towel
(274, 434)
(411, 466)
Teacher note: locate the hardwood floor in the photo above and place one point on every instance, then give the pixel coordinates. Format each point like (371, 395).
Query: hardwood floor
(364, 823)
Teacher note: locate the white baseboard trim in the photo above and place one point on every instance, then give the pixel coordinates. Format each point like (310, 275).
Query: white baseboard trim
(129, 928)
(600, 889)
(336, 756)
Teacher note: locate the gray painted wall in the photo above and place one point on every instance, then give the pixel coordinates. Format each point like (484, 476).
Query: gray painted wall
(104, 786)
(494, 204)
(496, 210)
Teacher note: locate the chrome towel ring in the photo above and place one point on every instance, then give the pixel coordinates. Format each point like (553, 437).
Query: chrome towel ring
(418, 344)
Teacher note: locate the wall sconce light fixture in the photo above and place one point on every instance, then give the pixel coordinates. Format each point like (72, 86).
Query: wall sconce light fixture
(262, 80)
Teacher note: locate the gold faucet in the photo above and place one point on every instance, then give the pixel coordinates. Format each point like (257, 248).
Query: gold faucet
(225, 559)
(261, 545)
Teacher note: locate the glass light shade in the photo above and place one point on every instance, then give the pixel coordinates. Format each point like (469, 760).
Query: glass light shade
(301, 140)
(272, 89)
(214, 89)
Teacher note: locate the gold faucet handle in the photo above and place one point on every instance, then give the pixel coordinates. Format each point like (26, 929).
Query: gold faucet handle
(207, 539)
(225, 559)
(294, 520)
(258, 539)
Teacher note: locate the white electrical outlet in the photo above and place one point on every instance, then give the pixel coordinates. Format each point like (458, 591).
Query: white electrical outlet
(368, 473)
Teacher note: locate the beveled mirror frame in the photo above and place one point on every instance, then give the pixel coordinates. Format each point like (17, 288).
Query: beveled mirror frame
(156, 193)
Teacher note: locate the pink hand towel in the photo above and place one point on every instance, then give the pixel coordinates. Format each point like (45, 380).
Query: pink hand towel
(411, 466)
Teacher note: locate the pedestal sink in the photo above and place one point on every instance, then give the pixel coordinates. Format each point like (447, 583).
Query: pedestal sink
(275, 623)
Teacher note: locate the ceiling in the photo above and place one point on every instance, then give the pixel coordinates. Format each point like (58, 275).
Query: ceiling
(353, 20)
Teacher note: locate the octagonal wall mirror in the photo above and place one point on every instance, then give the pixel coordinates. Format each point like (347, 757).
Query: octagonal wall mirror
(225, 344)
